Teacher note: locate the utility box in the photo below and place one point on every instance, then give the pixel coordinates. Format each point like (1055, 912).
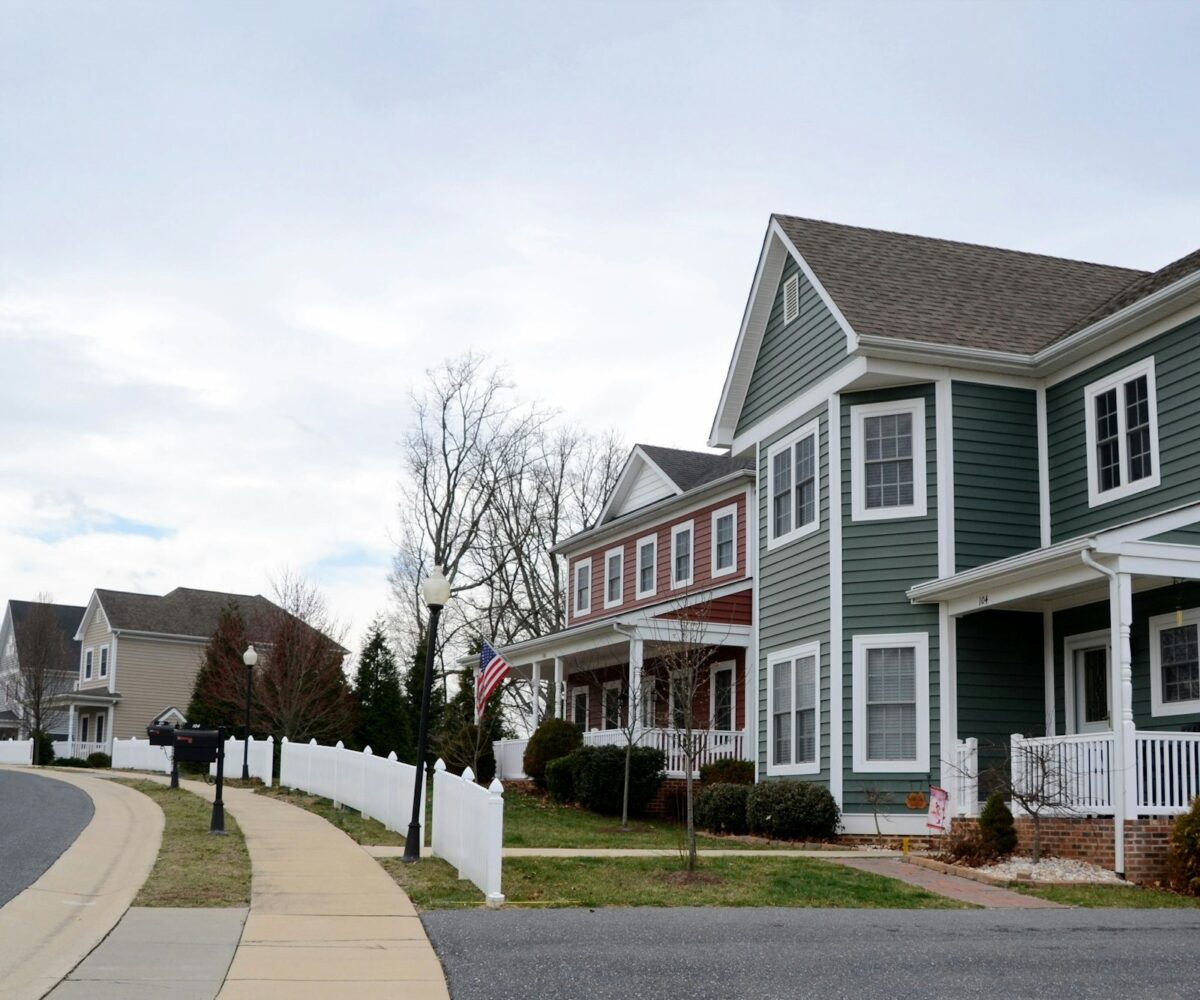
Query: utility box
(161, 736)
(197, 746)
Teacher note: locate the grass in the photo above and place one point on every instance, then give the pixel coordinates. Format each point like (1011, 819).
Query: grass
(194, 867)
(1099, 896)
(600, 882)
(350, 822)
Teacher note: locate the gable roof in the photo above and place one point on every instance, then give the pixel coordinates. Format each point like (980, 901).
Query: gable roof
(691, 469)
(183, 612)
(66, 616)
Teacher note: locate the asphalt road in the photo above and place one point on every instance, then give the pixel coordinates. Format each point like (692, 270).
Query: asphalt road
(728, 954)
(39, 819)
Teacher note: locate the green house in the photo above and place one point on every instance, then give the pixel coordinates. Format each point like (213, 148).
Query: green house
(977, 523)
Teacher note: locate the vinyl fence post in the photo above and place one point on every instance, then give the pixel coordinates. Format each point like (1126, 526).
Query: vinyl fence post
(337, 773)
(460, 819)
(439, 809)
(494, 832)
(389, 802)
(367, 757)
(312, 752)
(285, 766)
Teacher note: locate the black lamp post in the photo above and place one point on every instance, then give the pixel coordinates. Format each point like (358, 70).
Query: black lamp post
(250, 657)
(436, 591)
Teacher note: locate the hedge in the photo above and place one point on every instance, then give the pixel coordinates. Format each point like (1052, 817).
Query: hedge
(791, 810)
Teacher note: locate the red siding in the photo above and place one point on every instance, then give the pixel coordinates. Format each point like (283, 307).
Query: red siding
(732, 609)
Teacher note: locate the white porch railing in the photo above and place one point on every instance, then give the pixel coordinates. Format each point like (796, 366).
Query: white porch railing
(139, 755)
(963, 777)
(468, 828)
(80, 748)
(510, 759)
(261, 761)
(1167, 766)
(1070, 774)
(16, 751)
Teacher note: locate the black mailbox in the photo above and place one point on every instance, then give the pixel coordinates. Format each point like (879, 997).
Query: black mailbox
(161, 736)
(198, 746)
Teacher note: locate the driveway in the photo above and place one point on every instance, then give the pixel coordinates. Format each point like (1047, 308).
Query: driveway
(39, 819)
(727, 954)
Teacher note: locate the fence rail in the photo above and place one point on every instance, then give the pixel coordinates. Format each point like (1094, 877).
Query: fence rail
(262, 759)
(139, 755)
(468, 828)
(16, 751)
(80, 748)
(1167, 767)
(963, 777)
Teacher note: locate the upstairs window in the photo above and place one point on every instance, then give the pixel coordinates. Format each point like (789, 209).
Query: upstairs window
(1175, 663)
(583, 587)
(724, 540)
(103, 661)
(887, 471)
(87, 664)
(1122, 433)
(614, 577)
(792, 485)
(681, 554)
(793, 679)
(647, 566)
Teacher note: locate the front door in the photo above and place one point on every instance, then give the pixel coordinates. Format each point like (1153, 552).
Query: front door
(1092, 707)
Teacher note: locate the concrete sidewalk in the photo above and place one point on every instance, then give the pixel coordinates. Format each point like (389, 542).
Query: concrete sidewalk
(388, 851)
(952, 886)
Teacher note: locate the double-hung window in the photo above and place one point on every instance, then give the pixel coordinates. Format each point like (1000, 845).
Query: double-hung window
(579, 707)
(103, 661)
(1122, 433)
(583, 587)
(724, 541)
(614, 577)
(681, 554)
(722, 697)
(887, 455)
(647, 566)
(612, 705)
(1175, 663)
(87, 664)
(793, 713)
(891, 703)
(793, 488)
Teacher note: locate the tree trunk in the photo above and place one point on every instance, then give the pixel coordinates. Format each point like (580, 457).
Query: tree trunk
(625, 794)
(1037, 838)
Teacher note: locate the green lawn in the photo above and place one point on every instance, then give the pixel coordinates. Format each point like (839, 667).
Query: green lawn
(596, 882)
(350, 822)
(1135, 897)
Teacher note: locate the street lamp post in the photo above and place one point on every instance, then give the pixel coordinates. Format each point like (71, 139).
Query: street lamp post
(436, 591)
(250, 657)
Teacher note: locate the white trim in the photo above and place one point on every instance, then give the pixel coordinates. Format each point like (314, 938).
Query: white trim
(730, 510)
(1117, 381)
(1043, 446)
(716, 668)
(112, 663)
(89, 659)
(576, 610)
(1158, 707)
(1072, 643)
(901, 372)
(837, 655)
(791, 655)
(637, 559)
(604, 689)
(811, 429)
(179, 718)
(676, 531)
(943, 427)
(791, 299)
(947, 693)
(1148, 527)
(890, 824)
(753, 667)
(619, 552)
(918, 641)
(858, 414)
(628, 473)
(587, 704)
(847, 329)
(1048, 670)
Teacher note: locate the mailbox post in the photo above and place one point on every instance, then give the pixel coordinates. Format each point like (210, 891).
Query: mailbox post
(164, 736)
(204, 746)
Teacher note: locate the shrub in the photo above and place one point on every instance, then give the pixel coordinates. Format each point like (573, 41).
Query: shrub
(721, 808)
(996, 829)
(99, 759)
(598, 774)
(964, 845)
(553, 739)
(1183, 861)
(560, 778)
(727, 772)
(43, 748)
(71, 762)
(791, 810)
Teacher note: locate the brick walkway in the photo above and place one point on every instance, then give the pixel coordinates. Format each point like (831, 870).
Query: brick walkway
(963, 889)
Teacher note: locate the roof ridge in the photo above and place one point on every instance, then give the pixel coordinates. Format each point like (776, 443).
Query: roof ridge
(964, 243)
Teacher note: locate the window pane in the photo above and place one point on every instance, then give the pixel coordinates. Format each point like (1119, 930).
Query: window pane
(781, 721)
(583, 584)
(646, 570)
(888, 460)
(1180, 663)
(891, 732)
(1108, 445)
(612, 708)
(806, 480)
(579, 709)
(1137, 428)
(724, 541)
(683, 556)
(723, 700)
(891, 703)
(614, 577)
(806, 710)
(781, 499)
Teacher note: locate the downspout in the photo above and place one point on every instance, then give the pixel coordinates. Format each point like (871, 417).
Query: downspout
(1118, 795)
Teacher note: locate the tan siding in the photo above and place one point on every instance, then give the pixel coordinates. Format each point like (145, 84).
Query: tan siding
(97, 634)
(153, 675)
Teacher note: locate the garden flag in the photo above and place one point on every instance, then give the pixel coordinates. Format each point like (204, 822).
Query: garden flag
(937, 809)
(492, 669)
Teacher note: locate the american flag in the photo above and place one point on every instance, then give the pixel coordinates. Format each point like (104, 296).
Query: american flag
(492, 669)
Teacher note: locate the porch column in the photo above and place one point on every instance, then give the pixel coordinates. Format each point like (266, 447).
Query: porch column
(560, 690)
(535, 702)
(70, 724)
(635, 683)
(1120, 602)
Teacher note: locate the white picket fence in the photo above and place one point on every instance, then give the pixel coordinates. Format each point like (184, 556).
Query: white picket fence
(262, 759)
(139, 755)
(468, 828)
(378, 787)
(16, 751)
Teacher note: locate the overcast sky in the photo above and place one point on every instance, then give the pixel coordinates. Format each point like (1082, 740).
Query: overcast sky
(233, 235)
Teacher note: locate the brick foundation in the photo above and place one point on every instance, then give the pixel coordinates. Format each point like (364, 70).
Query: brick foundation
(1091, 839)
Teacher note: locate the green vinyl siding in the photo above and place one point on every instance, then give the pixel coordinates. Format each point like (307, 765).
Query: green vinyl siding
(792, 356)
(880, 561)
(1001, 684)
(996, 508)
(1094, 617)
(1181, 536)
(793, 592)
(1177, 381)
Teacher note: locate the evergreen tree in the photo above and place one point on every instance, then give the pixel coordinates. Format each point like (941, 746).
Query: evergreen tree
(219, 695)
(385, 722)
(414, 678)
(461, 742)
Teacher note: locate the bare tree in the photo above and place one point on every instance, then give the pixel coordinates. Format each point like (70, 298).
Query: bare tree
(1038, 780)
(44, 671)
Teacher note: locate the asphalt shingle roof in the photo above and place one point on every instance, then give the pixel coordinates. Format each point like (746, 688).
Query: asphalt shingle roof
(183, 612)
(690, 469)
(940, 291)
(66, 616)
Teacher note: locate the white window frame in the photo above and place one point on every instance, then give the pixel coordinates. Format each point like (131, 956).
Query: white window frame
(791, 290)
(716, 668)
(587, 703)
(576, 610)
(1117, 381)
(1159, 707)
(811, 429)
(861, 643)
(858, 481)
(608, 686)
(89, 659)
(1071, 645)
(676, 531)
(618, 553)
(85, 728)
(652, 540)
(729, 511)
(99, 727)
(794, 653)
(105, 660)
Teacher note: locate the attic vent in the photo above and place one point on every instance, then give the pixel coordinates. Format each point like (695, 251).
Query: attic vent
(791, 298)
